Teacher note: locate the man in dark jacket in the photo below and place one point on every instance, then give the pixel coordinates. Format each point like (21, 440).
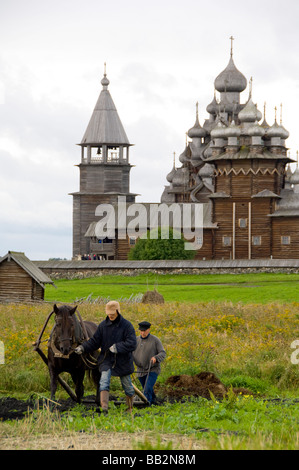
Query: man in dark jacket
(117, 339)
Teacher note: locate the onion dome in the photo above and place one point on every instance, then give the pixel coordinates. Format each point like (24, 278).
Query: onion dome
(250, 113)
(219, 131)
(170, 175)
(232, 130)
(186, 155)
(230, 79)
(276, 131)
(284, 132)
(212, 108)
(255, 130)
(197, 131)
(181, 177)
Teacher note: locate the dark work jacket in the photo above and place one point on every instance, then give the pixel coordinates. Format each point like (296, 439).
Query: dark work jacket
(121, 333)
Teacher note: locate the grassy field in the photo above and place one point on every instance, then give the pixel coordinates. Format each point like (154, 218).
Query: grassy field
(245, 288)
(245, 341)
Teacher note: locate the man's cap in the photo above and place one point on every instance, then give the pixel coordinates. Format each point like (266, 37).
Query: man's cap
(144, 325)
(112, 306)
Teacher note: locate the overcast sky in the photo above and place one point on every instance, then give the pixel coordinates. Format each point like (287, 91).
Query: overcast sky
(162, 57)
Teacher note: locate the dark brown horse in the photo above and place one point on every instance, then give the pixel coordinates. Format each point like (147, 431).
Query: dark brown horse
(65, 336)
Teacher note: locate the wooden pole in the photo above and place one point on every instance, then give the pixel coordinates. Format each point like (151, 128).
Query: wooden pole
(140, 394)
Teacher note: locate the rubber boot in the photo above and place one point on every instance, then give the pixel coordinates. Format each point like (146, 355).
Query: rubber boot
(104, 401)
(129, 403)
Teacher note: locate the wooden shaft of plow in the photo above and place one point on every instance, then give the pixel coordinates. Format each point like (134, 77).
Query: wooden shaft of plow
(60, 380)
(140, 394)
(36, 345)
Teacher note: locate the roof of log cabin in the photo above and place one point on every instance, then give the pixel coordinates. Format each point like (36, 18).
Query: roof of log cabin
(28, 266)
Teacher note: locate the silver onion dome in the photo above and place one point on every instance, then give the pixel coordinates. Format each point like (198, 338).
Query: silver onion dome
(230, 79)
(197, 131)
(250, 113)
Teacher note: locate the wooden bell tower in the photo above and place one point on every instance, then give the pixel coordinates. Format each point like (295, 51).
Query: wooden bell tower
(104, 170)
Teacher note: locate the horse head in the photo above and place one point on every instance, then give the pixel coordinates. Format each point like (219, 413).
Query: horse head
(64, 328)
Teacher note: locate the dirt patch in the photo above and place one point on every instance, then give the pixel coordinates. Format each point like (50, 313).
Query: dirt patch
(199, 385)
(11, 408)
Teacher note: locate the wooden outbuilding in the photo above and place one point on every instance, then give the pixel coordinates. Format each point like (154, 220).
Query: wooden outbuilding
(21, 279)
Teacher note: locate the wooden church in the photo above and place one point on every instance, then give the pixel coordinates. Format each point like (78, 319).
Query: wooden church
(236, 165)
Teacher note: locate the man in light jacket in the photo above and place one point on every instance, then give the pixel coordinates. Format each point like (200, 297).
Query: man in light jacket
(148, 357)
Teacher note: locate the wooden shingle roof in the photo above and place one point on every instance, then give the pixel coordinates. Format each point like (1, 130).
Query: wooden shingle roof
(105, 126)
(28, 266)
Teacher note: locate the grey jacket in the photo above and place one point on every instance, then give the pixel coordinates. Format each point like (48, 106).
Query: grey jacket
(146, 349)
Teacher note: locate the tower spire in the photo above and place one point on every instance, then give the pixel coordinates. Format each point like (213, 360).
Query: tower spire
(105, 82)
(231, 45)
(250, 87)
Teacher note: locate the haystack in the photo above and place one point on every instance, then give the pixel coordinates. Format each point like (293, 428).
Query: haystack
(152, 297)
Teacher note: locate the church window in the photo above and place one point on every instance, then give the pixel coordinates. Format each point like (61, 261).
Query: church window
(257, 240)
(242, 223)
(285, 240)
(226, 241)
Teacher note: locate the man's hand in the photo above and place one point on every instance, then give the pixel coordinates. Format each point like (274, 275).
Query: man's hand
(153, 360)
(113, 349)
(79, 349)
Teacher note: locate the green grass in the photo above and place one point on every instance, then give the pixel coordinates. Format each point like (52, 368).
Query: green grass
(241, 423)
(246, 288)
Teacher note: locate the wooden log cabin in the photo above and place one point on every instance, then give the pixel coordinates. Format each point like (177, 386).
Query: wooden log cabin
(20, 279)
(237, 167)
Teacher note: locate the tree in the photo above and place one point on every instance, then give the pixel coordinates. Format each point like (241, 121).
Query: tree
(160, 248)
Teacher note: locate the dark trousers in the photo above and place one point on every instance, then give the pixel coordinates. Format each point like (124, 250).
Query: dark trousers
(149, 381)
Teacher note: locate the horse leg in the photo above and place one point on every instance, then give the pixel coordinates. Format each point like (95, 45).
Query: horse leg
(78, 377)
